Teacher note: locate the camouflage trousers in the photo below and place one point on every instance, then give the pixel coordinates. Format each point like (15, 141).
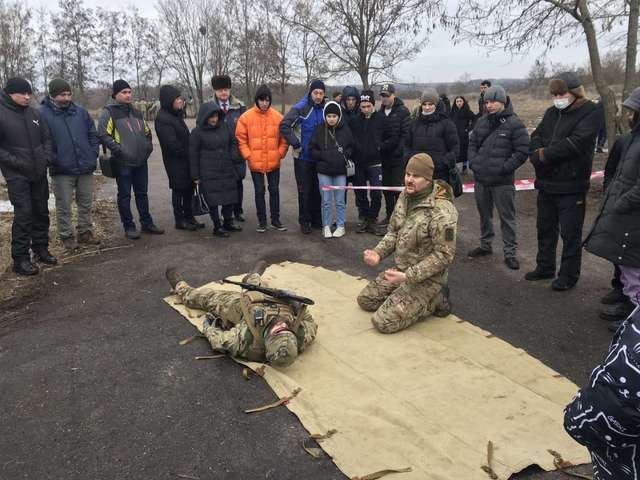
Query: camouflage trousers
(398, 306)
(234, 337)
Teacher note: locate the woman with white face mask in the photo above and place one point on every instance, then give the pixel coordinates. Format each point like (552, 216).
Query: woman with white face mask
(434, 134)
(562, 153)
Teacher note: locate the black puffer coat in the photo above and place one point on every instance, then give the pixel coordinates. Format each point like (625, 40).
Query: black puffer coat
(398, 123)
(463, 118)
(567, 138)
(173, 136)
(369, 138)
(211, 151)
(25, 142)
(324, 148)
(436, 136)
(616, 232)
(498, 146)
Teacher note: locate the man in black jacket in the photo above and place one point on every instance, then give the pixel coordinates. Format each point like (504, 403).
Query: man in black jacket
(398, 123)
(368, 130)
(562, 154)
(498, 146)
(25, 151)
(482, 106)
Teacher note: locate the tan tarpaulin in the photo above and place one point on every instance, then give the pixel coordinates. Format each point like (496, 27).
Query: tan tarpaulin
(429, 398)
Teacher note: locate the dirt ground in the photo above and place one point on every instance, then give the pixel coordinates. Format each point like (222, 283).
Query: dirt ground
(95, 385)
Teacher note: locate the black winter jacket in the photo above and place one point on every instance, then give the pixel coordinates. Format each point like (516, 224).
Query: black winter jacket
(436, 136)
(616, 232)
(463, 119)
(398, 123)
(325, 145)
(369, 138)
(25, 142)
(211, 153)
(562, 148)
(498, 146)
(173, 136)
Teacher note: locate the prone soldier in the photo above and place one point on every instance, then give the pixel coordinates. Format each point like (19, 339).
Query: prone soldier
(250, 325)
(422, 234)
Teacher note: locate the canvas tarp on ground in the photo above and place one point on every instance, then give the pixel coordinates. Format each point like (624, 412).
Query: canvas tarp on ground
(430, 397)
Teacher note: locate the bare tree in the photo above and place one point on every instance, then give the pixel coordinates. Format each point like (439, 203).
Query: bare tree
(113, 43)
(43, 43)
(222, 41)
(187, 38)
(538, 73)
(75, 24)
(312, 57)
(517, 25)
(16, 36)
(136, 28)
(155, 40)
(280, 38)
(371, 37)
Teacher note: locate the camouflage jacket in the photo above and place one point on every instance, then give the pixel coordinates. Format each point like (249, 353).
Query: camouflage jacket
(424, 240)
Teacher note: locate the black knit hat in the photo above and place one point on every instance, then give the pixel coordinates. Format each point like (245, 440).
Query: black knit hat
(263, 93)
(368, 96)
(17, 85)
(332, 107)
(316, 85)
(219, 82)
(118, 86)
(58, 86)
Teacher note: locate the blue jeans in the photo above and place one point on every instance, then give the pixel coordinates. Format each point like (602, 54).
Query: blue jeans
(138, 178)
(331, 196)
(273, 179)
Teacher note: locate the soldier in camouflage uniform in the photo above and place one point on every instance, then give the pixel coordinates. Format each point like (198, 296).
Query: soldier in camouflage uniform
(250, 325)
(422, 234)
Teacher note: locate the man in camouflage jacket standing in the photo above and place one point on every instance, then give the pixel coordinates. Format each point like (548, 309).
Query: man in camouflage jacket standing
(250, 325)
(422, 234)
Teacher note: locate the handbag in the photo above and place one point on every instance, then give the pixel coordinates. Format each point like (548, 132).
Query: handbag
(455, 181)
(348, 163)
(199, 205)
(107, 166)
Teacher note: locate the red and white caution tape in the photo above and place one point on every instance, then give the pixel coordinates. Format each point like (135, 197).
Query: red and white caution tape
(526, 184)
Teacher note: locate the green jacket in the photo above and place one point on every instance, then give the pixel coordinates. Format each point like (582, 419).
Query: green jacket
(423, 240)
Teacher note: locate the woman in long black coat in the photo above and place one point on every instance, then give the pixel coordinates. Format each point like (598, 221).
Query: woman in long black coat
(463, 118)
(173, 136)
(211, 151)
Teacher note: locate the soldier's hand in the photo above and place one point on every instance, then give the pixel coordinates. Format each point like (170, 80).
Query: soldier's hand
(394, 276)
(371, 258)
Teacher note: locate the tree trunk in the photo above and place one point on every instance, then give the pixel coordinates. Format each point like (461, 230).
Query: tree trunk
(630, 62)
(607, 95)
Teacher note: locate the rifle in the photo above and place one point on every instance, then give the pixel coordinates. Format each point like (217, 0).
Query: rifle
(272, 292)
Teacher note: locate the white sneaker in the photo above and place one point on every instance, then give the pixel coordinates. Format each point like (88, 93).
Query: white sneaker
(326, 232)
(340, 231)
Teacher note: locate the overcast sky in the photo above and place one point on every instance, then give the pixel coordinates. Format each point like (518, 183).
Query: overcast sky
(440, 60)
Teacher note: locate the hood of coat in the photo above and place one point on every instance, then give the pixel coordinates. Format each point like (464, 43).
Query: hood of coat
(206, 110)
(8, 102)
(439, 114)
(332, 107)
(350, 91)
(168, 94)
(49, 103)
(263, 91)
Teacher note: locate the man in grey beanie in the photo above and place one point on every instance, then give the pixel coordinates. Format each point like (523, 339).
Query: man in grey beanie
(498, 146)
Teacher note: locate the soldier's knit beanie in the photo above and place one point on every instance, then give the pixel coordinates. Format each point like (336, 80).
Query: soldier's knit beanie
(566, 82)
(58, 86)
(430, 95)
(316, 85)
(496, 94)
(421, 164)
(118, 86)
(633, 102)
(219, 82)
(17, 85)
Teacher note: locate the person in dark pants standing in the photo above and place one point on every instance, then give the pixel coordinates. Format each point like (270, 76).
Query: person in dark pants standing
(393, 165)
(463, 118)
(562, 153)
(124, 132)
(25, 151)
(173, 136)
(232, 108)
(304, 117)
(482, 107)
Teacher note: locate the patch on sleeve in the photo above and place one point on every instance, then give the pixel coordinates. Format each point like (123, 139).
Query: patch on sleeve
(449, 234)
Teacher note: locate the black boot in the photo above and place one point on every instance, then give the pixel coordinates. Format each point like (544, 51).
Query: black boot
(184, 225)
(218, 231)
(196, 223)
(229, 226)
(23, 266)
(613, 296)
(43, 255)
(173, 276)
(617, 312)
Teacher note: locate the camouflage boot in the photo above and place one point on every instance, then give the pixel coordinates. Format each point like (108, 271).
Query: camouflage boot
(173, 276)
(443, 304)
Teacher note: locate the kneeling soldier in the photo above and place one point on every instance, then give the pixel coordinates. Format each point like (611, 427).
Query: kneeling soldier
(422, 233)
(250, 325)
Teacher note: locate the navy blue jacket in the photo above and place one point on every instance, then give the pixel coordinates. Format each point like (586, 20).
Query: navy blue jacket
(304, 116)
(74, 139)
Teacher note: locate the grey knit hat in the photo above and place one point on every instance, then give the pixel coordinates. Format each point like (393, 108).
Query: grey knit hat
(633, 102)
(496, 94)
(430, 95)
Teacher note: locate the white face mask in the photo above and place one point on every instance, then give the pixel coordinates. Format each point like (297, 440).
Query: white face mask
(561, 103)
